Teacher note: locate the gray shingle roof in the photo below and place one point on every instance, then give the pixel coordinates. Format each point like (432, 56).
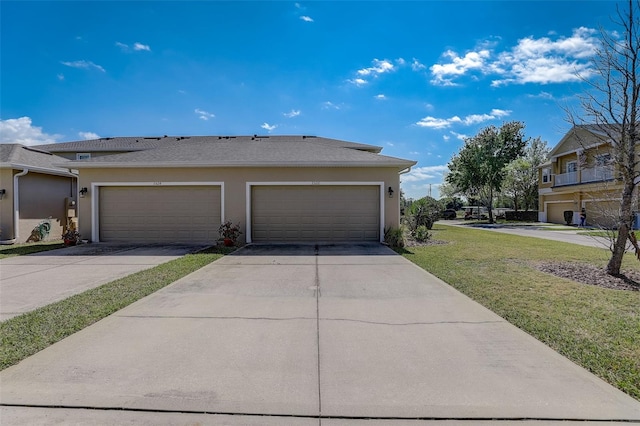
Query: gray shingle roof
(141, 143)
(19, 156)
(240, 151)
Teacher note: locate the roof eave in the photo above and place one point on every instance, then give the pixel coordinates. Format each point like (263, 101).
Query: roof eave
(89, 165)
(37, 169)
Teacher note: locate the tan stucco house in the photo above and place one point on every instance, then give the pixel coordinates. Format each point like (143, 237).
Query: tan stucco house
(278, 188)
(580, 174)
(32, 190)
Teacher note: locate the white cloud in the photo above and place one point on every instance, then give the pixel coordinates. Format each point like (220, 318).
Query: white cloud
(88, 135)
(203, 115)
(458, 65)
(306, 18)
(532, 60)
(414, 153)
(137, 46)
(390, 144)
(424, 173)
(292, 113)
(60, 77)
(438, 123)
(442, 123)
(358, 81)
(83, 65)
(330, 105)
(446, 137)
(20, 130)
(140, 46)
(380, 96)
(460, 136)
(417, 66)
(379, 67)
(542, 95)
(268, 127)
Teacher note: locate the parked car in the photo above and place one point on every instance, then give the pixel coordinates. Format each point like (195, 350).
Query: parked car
(475, 212)
(449, 214)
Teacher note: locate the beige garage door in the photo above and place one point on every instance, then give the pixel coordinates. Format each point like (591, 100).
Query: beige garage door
(315, 213)
(603, 213)
(555, 213)
(167, 214)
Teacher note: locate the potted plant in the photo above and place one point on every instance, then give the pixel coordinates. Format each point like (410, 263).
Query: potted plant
(229, 232)
(71, 238)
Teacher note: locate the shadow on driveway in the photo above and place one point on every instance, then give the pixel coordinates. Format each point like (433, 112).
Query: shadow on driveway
(327, 249)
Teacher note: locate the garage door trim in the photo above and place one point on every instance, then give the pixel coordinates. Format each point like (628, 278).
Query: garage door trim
(95, 197)
(380, 185)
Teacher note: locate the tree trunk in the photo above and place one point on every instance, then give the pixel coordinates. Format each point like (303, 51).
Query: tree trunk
(490, 202)
(625, 223)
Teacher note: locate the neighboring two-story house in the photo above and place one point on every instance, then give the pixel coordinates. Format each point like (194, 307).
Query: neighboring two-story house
(580, 174)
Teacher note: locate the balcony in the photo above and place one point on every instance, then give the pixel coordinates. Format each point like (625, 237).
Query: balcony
(597, 174)
(570, 178)
(594, 174)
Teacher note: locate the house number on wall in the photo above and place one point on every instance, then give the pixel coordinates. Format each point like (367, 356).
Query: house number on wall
(157, 183)
(315, 183)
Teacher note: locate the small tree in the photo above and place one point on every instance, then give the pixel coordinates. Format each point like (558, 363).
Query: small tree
(479, 167)
(610, 107)
(423, 212)
(521, 175)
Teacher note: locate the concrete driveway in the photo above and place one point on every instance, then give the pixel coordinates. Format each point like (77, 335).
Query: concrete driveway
(29, 282)
(305, 335)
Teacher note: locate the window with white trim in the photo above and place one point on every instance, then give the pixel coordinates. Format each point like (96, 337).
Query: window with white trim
(572, 166)
(546, 175)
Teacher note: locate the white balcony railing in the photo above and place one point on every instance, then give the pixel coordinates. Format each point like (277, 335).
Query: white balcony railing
(567, 178)
(593, 174)
(596, 174)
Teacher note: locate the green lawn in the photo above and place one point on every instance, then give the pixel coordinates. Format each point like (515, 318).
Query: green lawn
(29, 333)
(29, 248)
(595, 327)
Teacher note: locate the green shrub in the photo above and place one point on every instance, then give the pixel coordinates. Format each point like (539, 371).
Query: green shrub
(394, 237)
(423, 212)
(421, 234)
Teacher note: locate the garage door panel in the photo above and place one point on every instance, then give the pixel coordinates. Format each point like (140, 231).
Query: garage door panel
(556, 211)
(315, 213)
(160, 214)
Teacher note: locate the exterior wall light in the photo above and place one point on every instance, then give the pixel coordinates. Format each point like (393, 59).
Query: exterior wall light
(2, 193)
(83, 192)
(390, 191)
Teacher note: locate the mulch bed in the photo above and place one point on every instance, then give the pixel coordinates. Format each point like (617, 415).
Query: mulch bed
(579, 272)
(592, 275)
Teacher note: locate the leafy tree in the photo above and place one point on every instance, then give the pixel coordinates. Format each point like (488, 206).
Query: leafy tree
(454, 203)
(521, 175)
(479, 167)
(610, 107)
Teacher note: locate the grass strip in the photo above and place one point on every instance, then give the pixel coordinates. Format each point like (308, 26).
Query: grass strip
(24, 335)
(595, 327)
(29, 248)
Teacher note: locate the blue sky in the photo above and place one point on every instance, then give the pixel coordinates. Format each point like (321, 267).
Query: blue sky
(413, 77)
